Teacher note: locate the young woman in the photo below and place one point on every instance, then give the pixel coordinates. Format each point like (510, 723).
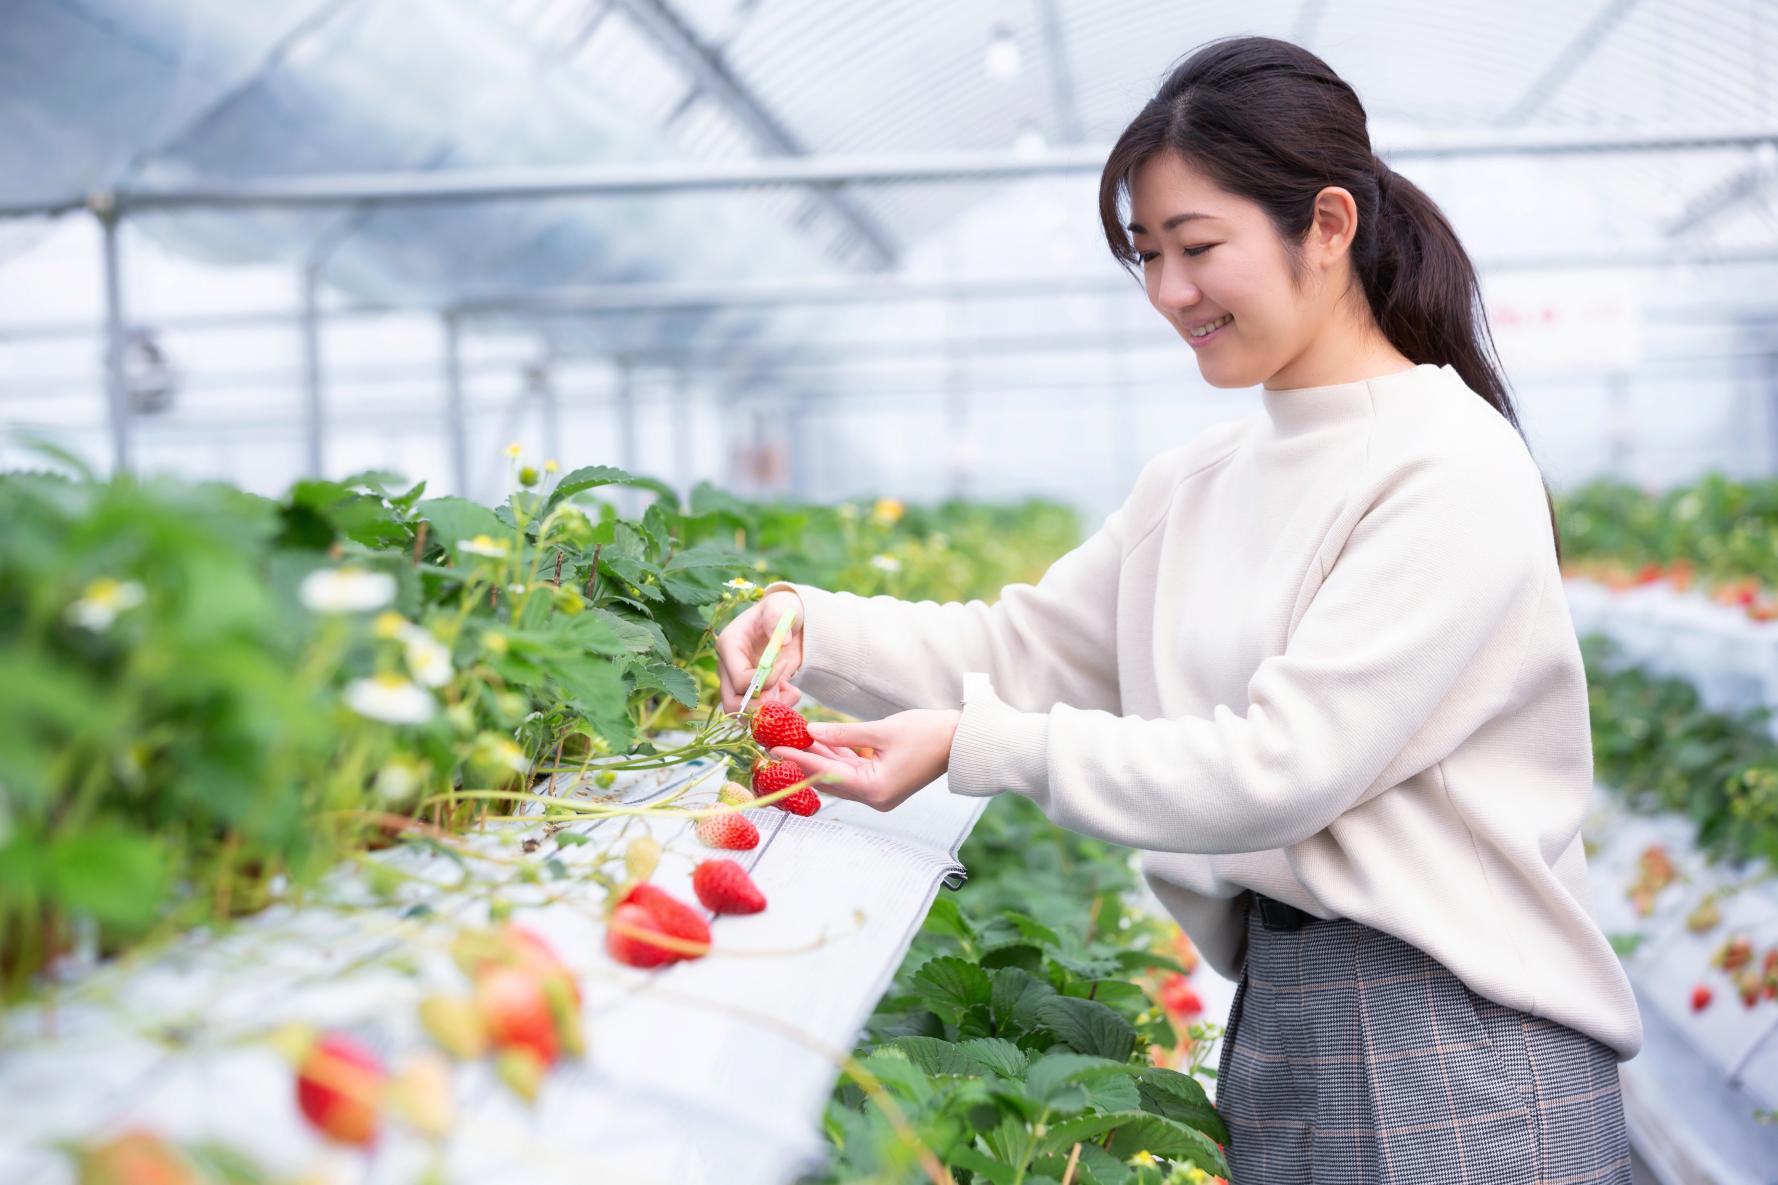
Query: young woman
(1318, 667)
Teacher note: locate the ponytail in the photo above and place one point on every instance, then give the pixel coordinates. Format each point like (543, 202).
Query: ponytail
(1271, 122)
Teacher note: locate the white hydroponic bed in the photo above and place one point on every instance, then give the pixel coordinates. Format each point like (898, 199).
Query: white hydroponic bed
(712, 1070)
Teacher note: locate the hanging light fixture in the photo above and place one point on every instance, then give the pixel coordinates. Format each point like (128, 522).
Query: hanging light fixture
(1030, 142)
(1002, 58)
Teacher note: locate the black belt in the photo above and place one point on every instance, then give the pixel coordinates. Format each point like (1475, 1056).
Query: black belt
(1279, 916)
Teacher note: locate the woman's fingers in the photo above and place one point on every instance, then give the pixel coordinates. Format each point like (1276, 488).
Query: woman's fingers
(865, 732)
(737, 649)
(847, 778)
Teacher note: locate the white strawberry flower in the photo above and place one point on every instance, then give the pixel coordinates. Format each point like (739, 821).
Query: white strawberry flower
(427, 658)
(739, 585)
(483, 545)
(346, 590)
(391, 699)
(885, 563)
(102, 601)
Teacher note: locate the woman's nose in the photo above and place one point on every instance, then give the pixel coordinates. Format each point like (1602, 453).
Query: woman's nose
(1176, 291)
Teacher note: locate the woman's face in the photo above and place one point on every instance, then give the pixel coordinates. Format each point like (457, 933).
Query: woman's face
(1221, 265)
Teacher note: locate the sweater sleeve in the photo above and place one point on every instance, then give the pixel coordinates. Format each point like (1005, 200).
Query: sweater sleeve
(1412, 641)
(1044, 643)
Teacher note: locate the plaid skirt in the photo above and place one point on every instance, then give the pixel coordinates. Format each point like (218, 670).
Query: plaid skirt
(1353, 1057)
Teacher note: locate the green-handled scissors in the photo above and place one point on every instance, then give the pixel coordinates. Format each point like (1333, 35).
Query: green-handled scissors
(768, 657)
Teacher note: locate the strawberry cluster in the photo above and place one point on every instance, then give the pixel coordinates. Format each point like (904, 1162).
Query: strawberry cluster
(776, 726)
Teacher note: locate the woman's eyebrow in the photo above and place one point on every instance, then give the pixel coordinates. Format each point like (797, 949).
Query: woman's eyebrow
(1138, 228)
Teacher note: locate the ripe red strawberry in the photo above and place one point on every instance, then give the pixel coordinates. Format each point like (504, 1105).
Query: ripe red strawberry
(672, 916)
(536, 956)
(776, 724)
(734, 832)
(633, 950)
(339, 1088)
(1701, 997)
(804, 802)
(772, 776)
(724, 887)
(1179, 998)
(516, 1008)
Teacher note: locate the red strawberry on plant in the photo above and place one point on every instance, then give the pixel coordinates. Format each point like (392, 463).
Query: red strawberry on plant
(769, 777)
(734, 832)
(626, 938)
(804, 802)
(339, 1089)
(515, 1006)
(677, 918)
(780, 725)
(1179, 998)
(724, 887)
(648, 910)
(535, 955)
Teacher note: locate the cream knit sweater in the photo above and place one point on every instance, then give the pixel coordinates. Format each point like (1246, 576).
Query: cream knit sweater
(1321, 652)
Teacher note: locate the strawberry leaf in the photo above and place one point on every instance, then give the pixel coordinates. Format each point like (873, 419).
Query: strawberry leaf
(1088, 1026)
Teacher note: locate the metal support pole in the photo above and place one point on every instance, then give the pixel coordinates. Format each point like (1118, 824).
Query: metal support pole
(958, 446)
(683, 452)
(453, 361)
(1768, 378)
(800, 406)
(117, 398)
(626, 429)
(549, 410)
(314, 422)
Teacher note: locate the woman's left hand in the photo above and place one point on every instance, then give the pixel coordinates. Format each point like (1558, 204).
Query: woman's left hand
(909, 750)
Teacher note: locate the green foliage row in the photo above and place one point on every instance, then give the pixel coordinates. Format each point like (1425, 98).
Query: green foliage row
(192, 723)
(1005, 1041)
(1656, 743)
(1724, 528)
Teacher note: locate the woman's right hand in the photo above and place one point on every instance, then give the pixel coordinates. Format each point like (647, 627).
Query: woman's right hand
(743, 640)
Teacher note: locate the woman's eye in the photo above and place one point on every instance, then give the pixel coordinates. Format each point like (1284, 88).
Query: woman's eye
(1194, 252)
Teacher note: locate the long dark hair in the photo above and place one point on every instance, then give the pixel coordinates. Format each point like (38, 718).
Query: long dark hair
(1271, 122)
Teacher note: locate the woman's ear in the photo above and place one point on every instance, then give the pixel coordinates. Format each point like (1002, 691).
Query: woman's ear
(1334, 227)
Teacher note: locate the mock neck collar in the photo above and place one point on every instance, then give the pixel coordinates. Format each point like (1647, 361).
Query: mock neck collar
(1295, 410)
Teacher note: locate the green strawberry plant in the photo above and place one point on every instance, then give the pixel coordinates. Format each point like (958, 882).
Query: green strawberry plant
(1655, 743)
(1009, 1045)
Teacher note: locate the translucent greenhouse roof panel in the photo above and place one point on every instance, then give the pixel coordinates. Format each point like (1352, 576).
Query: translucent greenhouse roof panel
(88, 85)
(381, 86)
(923, 75)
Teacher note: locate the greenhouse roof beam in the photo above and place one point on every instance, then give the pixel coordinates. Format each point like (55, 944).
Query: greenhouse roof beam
(503, 184)
(621, 298)
(1720, 198)
(711, 73)
(1562, 67)
(1064, 103)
